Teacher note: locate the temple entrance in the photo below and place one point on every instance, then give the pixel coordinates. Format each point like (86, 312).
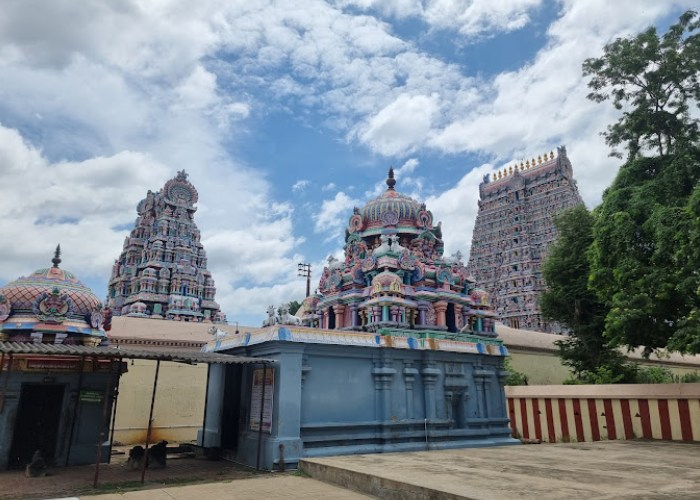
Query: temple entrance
(450, 318)
(36, 425)
(331, 319)
(232, 419)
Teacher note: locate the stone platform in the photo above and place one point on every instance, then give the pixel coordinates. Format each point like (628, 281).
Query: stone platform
(609, 469)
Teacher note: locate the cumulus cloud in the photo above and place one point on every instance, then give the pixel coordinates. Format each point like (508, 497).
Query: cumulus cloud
(76, 204)
(468, 17)
(401, 126)
(332, 216)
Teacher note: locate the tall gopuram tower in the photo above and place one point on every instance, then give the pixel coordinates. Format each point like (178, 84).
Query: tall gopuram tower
(162, 270)
(514, 228)
(395, 275)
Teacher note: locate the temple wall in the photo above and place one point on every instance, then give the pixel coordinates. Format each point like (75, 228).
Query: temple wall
(566, 413)
(179, 404)
(331, 400)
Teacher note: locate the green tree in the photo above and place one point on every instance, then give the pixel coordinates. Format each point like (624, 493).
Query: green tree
(569, 301)
(644, 257)
(654, 81)
(294, 306)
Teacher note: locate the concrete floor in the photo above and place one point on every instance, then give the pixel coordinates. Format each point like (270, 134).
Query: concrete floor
(602, 470)
(607, 469)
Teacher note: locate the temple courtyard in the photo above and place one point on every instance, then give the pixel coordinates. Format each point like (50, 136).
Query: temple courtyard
(606, 469)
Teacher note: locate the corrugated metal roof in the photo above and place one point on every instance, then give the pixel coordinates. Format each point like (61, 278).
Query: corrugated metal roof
(126, 353)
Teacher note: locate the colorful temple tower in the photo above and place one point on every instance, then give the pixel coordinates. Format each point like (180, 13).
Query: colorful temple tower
(162, 270)
(514, 228)
(395, 275)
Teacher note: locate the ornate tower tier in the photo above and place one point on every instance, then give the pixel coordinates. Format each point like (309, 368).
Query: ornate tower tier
(162, 270)
(394, 275)
(514, 228)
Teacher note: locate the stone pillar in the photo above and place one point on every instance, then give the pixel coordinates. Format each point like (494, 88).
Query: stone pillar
(458, 316)
(324, 320)
(353, 315)
(409, 376)
(430, 375)
(385, 313)
(383, 375)
(440, 309)
(482, 378)
(339, 310)
(395, 313)
(422, 308)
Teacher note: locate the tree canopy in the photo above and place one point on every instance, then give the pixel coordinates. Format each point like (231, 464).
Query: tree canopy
(569, 301)
(644, 256)
(654, 81)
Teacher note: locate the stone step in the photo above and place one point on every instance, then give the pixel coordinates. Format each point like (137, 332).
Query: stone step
(372, 484)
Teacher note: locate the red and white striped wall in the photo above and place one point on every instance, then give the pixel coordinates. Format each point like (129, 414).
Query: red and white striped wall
(565, 413)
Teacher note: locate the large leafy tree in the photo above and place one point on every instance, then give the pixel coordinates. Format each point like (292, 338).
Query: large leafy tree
(569, 301)
(654, 81)
(644, 264)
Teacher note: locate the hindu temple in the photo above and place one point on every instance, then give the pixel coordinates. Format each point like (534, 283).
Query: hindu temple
(395, 275)
(162, 270)
(513, 230)
(52, 404)
(395, 352)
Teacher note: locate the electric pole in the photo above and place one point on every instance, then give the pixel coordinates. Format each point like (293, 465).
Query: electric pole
(304, 270)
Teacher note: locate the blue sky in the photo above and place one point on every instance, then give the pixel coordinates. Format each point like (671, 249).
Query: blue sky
(285, 115)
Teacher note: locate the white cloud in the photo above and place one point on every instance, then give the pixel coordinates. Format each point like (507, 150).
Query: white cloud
(328, 187)
(468, 17)
(332, 217)
(402, 125)
(300, 185)
(75, 204)
(456, 208)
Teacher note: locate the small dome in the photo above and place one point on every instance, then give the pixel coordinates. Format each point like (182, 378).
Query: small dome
(54, 297)
(392, 208)
(386, 282)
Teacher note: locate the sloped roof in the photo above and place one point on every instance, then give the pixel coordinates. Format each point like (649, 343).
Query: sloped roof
(190, 357)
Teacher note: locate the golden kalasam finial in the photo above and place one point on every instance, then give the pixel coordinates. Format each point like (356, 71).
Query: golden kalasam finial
(510, 170)
(534, 162)
(539, 159)
(527, 164)
(522, 166)
(551, 155)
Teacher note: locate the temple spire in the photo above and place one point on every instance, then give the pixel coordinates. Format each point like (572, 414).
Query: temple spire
(391, 182)
(57, 256)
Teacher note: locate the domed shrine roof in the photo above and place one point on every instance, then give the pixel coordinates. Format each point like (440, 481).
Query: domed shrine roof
(386, 282)
(51, 301)
(392, 208)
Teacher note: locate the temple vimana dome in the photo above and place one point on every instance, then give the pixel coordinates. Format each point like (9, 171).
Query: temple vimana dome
(162, 270)
(394, 275)
(513, 230)
(51, 305)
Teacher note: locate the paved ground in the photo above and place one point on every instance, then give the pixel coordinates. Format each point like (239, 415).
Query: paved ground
(603, 470)
(608, 469)
(75, 480)
(277, 486)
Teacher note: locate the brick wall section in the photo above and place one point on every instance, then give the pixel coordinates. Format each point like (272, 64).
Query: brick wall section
(564, 413)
